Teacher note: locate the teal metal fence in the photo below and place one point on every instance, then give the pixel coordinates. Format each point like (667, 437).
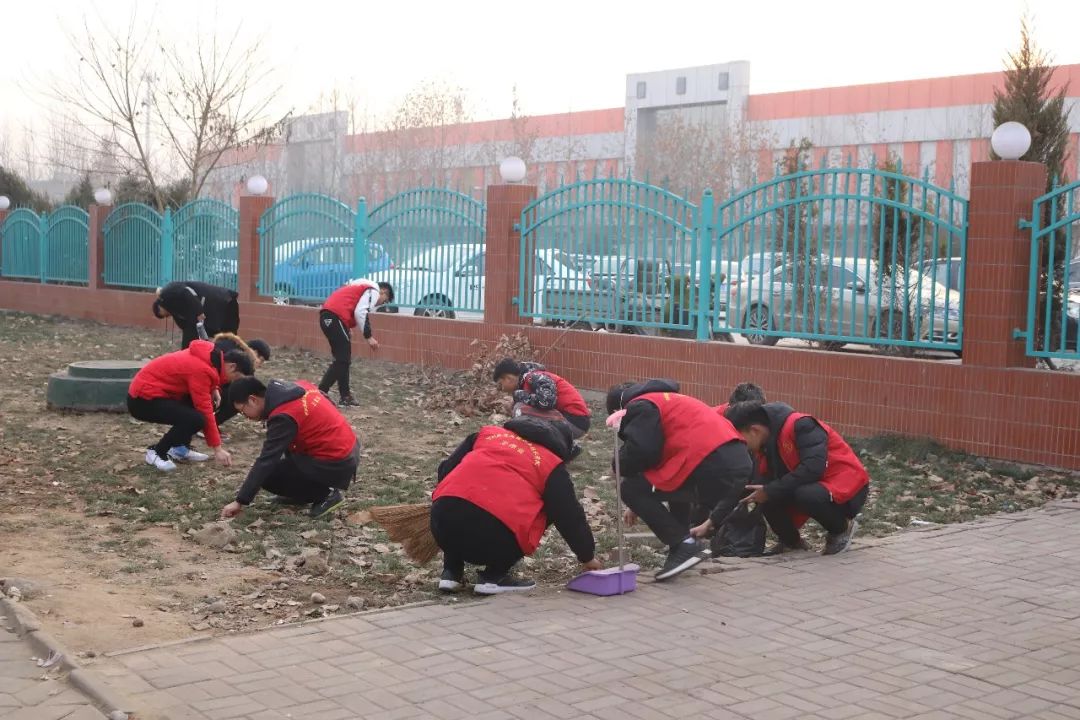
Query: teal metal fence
(67, 247)
(51, 247)
(428, 243)
(206, 243)
(1053, 312)
(137, 254)
(833, 255)
(610, 251)
(21, 245)
(841, 255)
(307, 248)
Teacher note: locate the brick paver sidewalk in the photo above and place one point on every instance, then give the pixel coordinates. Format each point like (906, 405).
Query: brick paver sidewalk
(25, 695)
(969, 621)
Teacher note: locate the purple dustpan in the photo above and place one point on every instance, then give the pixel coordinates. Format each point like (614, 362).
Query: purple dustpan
(612, 581)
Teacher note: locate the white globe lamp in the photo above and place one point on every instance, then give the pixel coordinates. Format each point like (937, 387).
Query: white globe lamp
(5, 202)
(512, 170)
(1010, 140)
(103, 196)
(257, 185)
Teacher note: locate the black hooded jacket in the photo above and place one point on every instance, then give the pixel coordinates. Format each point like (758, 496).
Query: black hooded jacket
(185, 301)
(561, 505)
(640, 430)
(812, 442)
(280, 432)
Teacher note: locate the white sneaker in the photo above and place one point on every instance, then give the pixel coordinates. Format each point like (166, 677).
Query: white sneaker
(186, 454)
(163, 465)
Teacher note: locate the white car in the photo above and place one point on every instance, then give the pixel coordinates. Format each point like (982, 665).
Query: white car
(449, 279)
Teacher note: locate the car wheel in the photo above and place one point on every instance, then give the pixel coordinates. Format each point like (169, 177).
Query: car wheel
(436, 306)
(759, 318)
(830, 345)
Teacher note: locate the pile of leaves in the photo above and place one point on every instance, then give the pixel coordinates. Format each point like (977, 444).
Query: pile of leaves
(473, 392)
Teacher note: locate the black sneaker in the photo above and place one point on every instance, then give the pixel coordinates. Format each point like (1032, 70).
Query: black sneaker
(840, 542)
(327, 505)
(450, 581)
(348, 401)
(575, 451)
(681, 558)
(507, 583)
(287, 501)
(780, 548)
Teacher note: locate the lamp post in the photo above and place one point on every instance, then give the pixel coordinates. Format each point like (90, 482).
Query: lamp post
(1010, 141)
(512, 170)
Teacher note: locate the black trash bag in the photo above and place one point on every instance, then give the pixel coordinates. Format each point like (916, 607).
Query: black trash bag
(742, 533)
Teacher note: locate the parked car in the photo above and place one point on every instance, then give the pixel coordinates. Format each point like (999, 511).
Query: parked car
(309, 269)
(849, 298)
(447, 279)
(947, 271)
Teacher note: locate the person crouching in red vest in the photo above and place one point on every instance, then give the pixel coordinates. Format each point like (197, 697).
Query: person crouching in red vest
(743, 392)
(310, 453)
(347, 307)
(676, 449)
(180, 389)
(812, 473)
(532, 384)
(497, 494)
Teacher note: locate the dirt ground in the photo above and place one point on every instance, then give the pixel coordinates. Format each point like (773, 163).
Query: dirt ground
(102, 547)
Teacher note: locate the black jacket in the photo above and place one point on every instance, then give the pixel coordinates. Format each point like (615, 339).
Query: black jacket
(185, 301)
(813, 445)
(280, 432)
(640, 430)
(561, 505)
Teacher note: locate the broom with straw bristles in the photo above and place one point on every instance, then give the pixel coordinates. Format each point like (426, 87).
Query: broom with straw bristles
(409, 525)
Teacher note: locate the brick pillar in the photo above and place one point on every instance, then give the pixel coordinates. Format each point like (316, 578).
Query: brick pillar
(247, 266)
(95, 246)
(503, 252)
(998, 261)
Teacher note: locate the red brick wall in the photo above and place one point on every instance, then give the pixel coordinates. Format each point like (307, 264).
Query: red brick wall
(1010, 413)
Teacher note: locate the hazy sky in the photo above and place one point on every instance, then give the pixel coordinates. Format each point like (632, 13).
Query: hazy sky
(562, 55)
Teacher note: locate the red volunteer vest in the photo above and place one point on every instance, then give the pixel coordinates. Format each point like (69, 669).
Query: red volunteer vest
(342, 302)
(505, 475)
(568, 400)
(322, 432)
(844, 475)
(692, 430)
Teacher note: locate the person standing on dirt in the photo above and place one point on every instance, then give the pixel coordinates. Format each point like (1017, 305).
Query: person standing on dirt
(190, 303)
(180, 390)
(347, 307)
(530, 383)
(675, 449)
(310, 453)
(496, 495)
(812, 473)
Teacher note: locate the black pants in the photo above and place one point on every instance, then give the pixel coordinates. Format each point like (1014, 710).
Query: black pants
(718, 479)
(469, 534)
(811, 499)
(225, 411)
(227, 321)
(183, 418)
(295, 478)
(341, 349)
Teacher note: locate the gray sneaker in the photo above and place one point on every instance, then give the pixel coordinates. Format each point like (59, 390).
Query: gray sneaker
(780, 548)
(839, 542)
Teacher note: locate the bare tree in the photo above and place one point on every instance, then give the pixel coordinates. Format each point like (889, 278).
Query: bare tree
(201, 100)
(690, 156)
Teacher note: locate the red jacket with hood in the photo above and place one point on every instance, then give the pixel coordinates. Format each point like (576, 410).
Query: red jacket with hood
(185, 373)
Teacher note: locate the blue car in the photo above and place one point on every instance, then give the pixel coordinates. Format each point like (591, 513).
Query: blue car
(309, 270)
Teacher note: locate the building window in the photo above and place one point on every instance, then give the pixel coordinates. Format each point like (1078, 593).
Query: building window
(680, 86)
(724, 80)
(641, 90)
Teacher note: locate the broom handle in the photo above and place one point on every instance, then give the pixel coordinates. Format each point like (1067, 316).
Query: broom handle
(618, 503)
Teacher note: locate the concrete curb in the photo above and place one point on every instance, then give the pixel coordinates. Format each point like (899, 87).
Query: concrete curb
(28, 627)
